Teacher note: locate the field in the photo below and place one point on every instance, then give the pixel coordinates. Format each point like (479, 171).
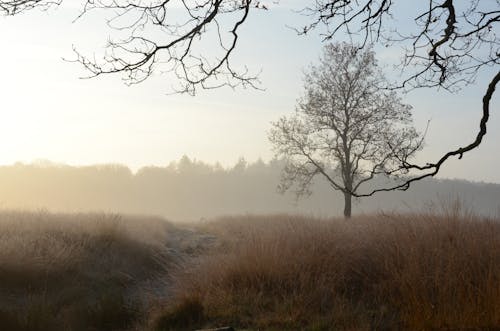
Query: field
(436, 271)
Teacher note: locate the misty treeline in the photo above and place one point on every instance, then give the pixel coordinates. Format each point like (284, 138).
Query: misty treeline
(191, 190)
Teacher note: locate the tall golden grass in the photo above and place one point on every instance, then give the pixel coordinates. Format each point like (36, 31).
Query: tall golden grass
(437, 271)
(76, 271)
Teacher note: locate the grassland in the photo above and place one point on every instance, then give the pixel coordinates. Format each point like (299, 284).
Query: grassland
(78, 271)
(436, 271)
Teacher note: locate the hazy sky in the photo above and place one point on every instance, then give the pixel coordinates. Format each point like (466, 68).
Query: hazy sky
(48, 113)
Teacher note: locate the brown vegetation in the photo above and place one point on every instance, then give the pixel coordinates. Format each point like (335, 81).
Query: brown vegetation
(386, 272)
(76, 271)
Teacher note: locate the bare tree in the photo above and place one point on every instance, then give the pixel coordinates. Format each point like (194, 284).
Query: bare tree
(192, 39)
(13, 7)
(345, 128)
(445, 44)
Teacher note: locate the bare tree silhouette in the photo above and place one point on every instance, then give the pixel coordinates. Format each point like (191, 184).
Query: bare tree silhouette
(345, 129)
(13, 7)
(449, 44)
(173, 34)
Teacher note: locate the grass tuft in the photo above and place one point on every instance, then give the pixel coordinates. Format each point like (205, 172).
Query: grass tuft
(76, 271)
(184, 315)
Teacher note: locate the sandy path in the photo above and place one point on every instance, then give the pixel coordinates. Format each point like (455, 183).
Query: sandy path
(183, 246)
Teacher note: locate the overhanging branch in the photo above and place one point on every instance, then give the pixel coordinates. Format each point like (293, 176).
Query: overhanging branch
(433, 168)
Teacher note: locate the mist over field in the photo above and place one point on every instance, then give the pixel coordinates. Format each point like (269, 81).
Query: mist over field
(188, 190)
(111, 228)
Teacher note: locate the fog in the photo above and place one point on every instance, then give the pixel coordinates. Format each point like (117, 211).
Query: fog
(193, 190)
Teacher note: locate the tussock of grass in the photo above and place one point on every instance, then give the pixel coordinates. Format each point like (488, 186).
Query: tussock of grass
(386, 272)
(75, 271)
(187, 314)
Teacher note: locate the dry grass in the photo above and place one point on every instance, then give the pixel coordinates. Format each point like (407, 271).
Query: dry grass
(75, 271)
(388, 272)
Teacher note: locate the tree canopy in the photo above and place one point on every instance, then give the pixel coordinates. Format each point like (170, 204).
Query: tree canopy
(345, 128)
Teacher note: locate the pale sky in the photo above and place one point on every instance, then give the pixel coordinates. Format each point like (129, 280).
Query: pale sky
(47, 112)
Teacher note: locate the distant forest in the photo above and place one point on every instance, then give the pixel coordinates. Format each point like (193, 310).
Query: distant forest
(193, 190)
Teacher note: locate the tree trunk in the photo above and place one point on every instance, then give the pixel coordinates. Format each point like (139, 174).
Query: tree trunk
(347, 205)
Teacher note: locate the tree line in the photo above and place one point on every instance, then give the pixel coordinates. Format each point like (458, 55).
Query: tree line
(192, 190)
